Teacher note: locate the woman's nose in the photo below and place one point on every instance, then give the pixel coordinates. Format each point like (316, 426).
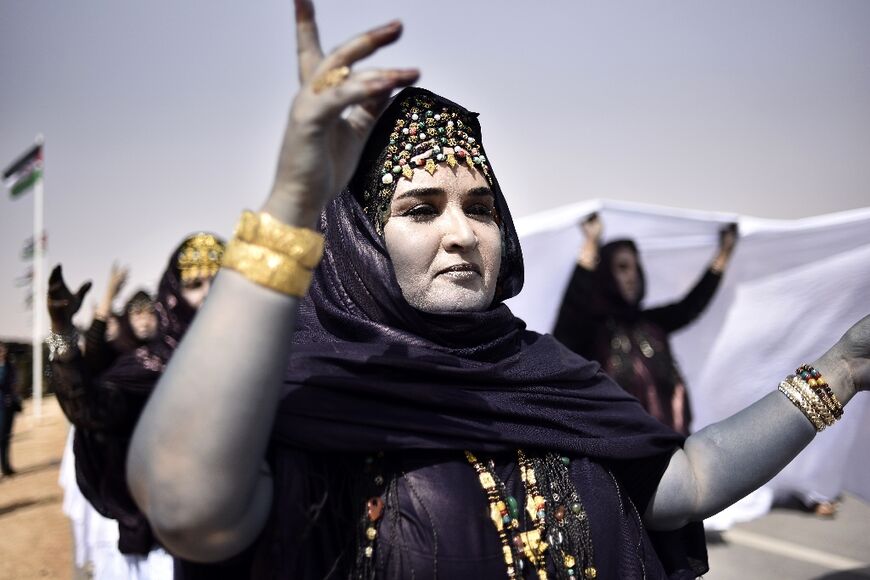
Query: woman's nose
(458, 231)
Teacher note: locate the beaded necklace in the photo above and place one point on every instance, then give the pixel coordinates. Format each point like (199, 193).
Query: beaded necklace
(503, 511)
(370, 518)
(559, 519)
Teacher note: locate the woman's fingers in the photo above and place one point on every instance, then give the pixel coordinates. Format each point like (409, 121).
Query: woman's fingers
(360, 88)
(56, 284)
(365, 115)
(308, 49)
(362, 46)
(80, 295)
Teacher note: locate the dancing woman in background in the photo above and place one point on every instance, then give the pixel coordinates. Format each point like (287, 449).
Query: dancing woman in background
(397, 420)
(602, 319)
(103, 390)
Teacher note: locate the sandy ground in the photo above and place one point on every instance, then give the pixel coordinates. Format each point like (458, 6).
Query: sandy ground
(36, 539)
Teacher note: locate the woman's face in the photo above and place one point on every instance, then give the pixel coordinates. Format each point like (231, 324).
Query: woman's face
(112, 328)
(143, 321)
(194, 291)
(627, 274)
(444, 241)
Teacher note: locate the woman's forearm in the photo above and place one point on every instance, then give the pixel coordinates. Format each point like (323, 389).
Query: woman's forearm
(588, 255)
(727, 460)
(195, 464)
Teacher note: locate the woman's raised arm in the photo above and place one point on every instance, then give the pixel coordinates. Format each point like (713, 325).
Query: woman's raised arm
(196, 462)
(725, 461)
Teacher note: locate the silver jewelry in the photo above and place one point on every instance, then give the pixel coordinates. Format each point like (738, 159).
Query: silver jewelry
(62, 345)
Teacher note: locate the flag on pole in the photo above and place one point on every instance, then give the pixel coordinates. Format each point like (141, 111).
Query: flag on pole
(28, 249)
(24, 173)
(26, 279)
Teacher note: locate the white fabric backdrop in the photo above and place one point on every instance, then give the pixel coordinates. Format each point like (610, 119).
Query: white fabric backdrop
(792, 289)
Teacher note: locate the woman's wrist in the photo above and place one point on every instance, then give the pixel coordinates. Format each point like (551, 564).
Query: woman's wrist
(103, 310)
(588, 257)
(62, 326)
(292, 208)
(273, 253)
(837, 374)
(720, 262)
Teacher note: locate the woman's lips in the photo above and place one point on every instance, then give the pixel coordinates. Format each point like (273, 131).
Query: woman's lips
(462, 271)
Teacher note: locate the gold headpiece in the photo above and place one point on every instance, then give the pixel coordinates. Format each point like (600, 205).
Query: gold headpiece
(200, 256)
(424, 136)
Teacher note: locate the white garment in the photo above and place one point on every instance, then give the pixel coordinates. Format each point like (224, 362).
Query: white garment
(96, 537)
(792, 289)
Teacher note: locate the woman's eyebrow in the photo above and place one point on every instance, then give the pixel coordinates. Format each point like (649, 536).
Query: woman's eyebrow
(481, 192)
(436, 191)
(421, 192)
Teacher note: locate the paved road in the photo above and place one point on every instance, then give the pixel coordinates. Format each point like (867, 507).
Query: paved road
(790, 544)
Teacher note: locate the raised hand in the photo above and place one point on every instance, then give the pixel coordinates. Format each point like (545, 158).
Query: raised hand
(117, 279)
(330, 118)
(592, 227)
(63, 304)
(592, 230)
(728, 238)
(727, 241)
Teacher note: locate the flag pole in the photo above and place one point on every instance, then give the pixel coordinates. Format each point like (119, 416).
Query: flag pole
(39, 294)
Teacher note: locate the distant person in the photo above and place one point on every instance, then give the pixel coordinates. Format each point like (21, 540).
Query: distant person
(105, 325)
(602, 318)
(111, 335)
(10, 403)
(104, 407)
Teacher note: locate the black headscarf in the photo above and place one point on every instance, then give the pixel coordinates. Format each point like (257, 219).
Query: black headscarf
(139, 370)
(370, 372)
(616, 304)
(126, 340)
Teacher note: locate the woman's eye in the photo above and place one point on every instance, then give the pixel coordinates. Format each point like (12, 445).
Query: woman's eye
(421, 211)
(480, 210)
(192, 285)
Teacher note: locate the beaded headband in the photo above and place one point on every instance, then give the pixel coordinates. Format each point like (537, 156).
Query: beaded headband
(200, 256)
(424, 136)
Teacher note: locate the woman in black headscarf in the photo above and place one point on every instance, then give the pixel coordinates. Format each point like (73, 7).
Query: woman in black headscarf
(104, 403)
(602, 319)
(111, 335)
(398, 421)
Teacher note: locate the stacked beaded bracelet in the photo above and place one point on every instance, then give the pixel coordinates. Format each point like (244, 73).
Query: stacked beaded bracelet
(815, 399)
(60, 346)
(820, 386)
(273, 254)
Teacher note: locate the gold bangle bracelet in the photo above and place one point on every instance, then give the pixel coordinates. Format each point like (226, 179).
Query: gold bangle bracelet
(793, 395)
(302, 245)
(834, 404)
(814, 398)
(267, 268)
(814, 405)
(798, 401)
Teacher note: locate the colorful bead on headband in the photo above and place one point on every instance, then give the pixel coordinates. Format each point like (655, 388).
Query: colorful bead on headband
(424, 136)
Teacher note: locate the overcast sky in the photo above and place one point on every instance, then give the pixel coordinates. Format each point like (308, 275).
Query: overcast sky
(163, 117)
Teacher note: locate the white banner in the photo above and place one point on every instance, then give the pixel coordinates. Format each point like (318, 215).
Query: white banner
(792, 289)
